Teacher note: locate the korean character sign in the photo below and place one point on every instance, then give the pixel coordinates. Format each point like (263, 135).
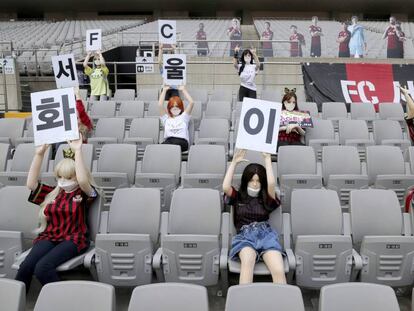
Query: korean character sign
(174, 69)
(167, 31)
(93, 40)
(259, 125)
(54, 116)
(64, 69)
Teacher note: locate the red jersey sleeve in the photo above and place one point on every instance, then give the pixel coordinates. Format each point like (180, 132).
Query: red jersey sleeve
(39, 194)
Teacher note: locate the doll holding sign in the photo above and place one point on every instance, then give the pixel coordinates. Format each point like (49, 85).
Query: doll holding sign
(292, 133)
(98, 75)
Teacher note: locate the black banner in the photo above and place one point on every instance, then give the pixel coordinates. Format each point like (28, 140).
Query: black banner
(351, 83)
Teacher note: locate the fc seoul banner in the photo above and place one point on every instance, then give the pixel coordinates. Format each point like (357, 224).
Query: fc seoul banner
(351, 83)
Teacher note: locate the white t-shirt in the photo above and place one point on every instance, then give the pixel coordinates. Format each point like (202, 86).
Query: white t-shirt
(177, 126)
(247, 76)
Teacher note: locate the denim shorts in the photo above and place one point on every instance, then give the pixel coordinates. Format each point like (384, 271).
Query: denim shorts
(258, 235)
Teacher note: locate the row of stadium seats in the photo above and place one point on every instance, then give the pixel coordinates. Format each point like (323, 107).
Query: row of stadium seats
(186, 297)
(161, 167)
(191, 242)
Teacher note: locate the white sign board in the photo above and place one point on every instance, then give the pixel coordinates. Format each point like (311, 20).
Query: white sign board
(93, 40)
(64, 70)
(174, 69)
(167, 31)
(259, 125)
(7, 66)
(54, 116)
(145, 64)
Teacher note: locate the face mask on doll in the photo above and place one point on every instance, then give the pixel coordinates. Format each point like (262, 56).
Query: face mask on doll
(97, 62)
(67, 184)
(175, 111)
(290, 106)
(247, 58)
(253, 192)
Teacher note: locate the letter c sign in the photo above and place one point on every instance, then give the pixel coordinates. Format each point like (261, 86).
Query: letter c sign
(167, 32)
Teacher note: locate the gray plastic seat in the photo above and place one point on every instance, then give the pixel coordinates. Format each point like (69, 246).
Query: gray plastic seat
(264, 296)
(130, 110)
(297, 169)
(363, 111)
(391, 111)
(18, 220)
(169, 296)
(355, 133)
(271, 95)
(108, 131)
(124, 94)
(358, 297)
(198, 94)
(386, 170)
(11, 129)
(310, 107)
(19, 165)
(89, 296)
(218, 110)
(12, 295)
(124, 253)
(321, 134)
(194, 239)
(148, 94)
(28, 136)
(382, 236)
(213, 132)
(204, 168)
(84, 94)
(4, 156)
(160, 168)
(342, 171)
(153, 110)
(143, 132)
(222, 94)
(115, 168)
(87, 153)
(389, 132)
(102, 109)
(334, 111)
(322, 245)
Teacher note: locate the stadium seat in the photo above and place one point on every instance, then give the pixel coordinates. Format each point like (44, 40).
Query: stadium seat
(205, 167)
(355, 133)
(214, 132)
(296, 169)
(222, 94)
(49, 177)
(386, 170)
(321, 134)
(310, 107)
(19, 165)
(18, 220)
(130, 110)
(272, 95)
(28, 136)
(198, 94)
(123, 252)
(108, 131)
(169, 296)
(363, 111)
(115, 168)
(84, 296)
(334, 111)
(143, 132)
(342, 170)
(382, 236)
(104, 109)
(391, 111)
(389, 132)
(194, 239)
(358, 297)
(153, 110)
(218, 110)
(11, 129)
(321, 236)
(148, 94)
(84, 94)
(264, 296)
(160, 168)
(12, 295)
(124, 94)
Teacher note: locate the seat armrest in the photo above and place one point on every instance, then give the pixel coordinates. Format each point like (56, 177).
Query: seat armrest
(346, 219)
(74, 262)
(407, 224)
(156, 264)
(20, 259)
(164, 223)
(103, 228)
(357, 260)
(89, 258)
(225, 230)
(290, 256)
(287, 231)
